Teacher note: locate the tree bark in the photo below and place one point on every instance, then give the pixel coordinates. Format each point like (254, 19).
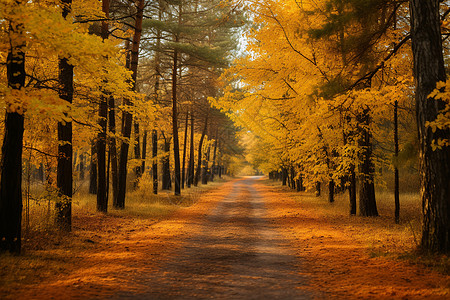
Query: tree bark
(155, 162)
(176, 144)
(113, 150)
(183, 169)
(137, 153)
(213, 167)
(284, 176)
(331, 191)
(190, 179)
(65, 151)
(434, 164)
(144, 151)
(127, 117)
(93, 170)
(166, 184)
(11, 171)
(367, 203)
(396, 179)
(199, 158)
(102, 189)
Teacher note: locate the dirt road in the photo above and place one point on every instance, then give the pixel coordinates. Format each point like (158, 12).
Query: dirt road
(234, 254)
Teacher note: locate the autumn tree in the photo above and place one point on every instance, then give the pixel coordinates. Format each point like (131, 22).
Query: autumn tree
(429, 69)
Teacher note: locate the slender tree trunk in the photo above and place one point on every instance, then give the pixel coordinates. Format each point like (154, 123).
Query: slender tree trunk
(102, 192)
(11, 171)
(318, 188)
(183, 169)
(352, 191)
(155, 162)
(190, 179)
(176, 144)
(127, 117)
(292, 178)
(213, 167)
(65, 152)
(434, 164)
(396, 179)
(93, 170)
(137, 153)
(144, 151)
(166, 165)
(284, 176)
(367, 203)
(205, 166)
(200, 145)
(113, 150)
(331, 191)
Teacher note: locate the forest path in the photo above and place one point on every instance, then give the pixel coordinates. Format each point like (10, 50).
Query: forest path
(235, 253)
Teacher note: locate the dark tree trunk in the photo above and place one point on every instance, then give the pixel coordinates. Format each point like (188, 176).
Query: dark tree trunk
(144, 151)
(137, 153)
(102, 189)
(176, 144)
(127, 117)
(352, 191)
(11, 173)
(284, 175)
(367, 203)
(331, 191)
(93, 171)
(434, 164)
(199, 158)
(190, 177)
(396, 179)
(102, 201)
(205, 166)
(155, 162)
(65, 152)
(113, 150)
(183, 169)
(166, 184)
(213, 167)
(318, 189)
(292, 178)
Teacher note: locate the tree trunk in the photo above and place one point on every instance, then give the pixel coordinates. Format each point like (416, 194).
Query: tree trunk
(155, 162)
(102, 191)
(396, 179)
(331, 191)
(93, 170)
(434, 164)
(292, 178)
(144, 151)
(205, 166)
(127, 117)
(367, 203)
(11, 171)
(176, 144)
(166, 165)
(113, 150)
(352, 191)
(190, 179)
(199, 158)
(284, 176)
(137, 153)
(183, 169)
(65, 152)
(318, 188)
(213, 167)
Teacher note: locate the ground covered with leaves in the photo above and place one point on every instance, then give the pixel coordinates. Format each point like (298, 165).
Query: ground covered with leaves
(339, 256)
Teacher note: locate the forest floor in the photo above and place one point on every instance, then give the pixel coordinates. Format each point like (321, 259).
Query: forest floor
(245, 239)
